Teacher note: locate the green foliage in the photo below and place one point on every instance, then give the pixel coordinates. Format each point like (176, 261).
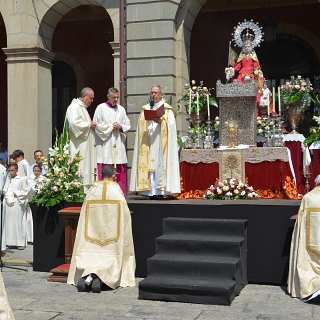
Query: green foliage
(193, 90)
(63, 180)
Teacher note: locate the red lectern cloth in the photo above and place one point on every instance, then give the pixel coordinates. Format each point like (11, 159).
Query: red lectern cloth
(271, 180)
(297, 162)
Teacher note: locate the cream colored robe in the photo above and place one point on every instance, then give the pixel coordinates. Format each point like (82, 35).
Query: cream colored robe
(304, 264)
(4, 184)
(106, 137)
(156, 153)
(104, 244)
(81, 138)
(16, 216)
(24, 170)
(5, 309)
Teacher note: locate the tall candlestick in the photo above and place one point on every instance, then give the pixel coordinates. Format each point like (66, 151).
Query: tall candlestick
(279, 100)
(306, 159)
(268, 105)
(273, 98)
(208, 105)
(197, 103)
(190, 98)
(114, 156)
(95, 155)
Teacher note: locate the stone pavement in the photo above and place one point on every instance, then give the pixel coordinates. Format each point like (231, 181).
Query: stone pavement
(32, 297)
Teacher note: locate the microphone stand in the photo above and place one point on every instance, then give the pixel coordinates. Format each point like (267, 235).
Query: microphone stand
(2, 265)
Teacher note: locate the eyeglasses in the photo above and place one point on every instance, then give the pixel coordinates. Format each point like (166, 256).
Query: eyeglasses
(153, 92)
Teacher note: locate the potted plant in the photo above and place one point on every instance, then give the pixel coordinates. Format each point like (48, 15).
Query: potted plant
(62, 187)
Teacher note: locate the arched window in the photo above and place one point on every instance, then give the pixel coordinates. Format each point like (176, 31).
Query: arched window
(64, 89)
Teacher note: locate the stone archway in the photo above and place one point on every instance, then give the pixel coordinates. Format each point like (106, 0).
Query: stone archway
(75, 65)
(29, 59)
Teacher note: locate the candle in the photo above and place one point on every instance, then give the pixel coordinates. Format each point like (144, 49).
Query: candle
(306, 159)
(273, 99)
(197, 103)
(279, 100)
(95, 156)
(114, 156)
(208, 105)
(190, 98)
(268, 105)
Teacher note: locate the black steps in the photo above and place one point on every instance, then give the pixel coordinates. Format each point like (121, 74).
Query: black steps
(198, 261)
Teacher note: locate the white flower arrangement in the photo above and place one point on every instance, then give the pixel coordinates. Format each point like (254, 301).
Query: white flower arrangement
(230, 189)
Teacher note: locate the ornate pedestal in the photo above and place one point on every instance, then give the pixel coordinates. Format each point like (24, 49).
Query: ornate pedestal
(237, 101)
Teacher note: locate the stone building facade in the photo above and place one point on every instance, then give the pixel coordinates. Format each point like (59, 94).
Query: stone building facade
(166, 42)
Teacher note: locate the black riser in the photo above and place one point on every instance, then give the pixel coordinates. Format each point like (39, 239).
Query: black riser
(203, 226)
(182, 246)
(222, 295)
(193, 269)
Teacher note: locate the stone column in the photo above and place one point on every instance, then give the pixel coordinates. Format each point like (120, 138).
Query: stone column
(116, 63)
(150, 56)
(29, 99)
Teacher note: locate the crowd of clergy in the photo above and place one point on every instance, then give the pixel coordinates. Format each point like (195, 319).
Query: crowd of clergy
(103, 251)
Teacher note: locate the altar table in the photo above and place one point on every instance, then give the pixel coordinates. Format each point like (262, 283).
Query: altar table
(267, 170)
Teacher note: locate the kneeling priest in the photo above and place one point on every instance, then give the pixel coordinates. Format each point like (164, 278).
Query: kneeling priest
(103, 251)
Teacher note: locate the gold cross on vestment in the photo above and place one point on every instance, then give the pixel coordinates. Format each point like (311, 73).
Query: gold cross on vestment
(152, 160)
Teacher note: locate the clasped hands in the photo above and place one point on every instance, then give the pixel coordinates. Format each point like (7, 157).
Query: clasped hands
(117, 126)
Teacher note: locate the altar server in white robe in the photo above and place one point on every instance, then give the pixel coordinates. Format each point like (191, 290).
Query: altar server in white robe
(81, 132)
(112, 126)
(25, 171)
(4, 184)
(103, 249)
(5, 309)
(16, 201)
(155, 165)
(304, 263)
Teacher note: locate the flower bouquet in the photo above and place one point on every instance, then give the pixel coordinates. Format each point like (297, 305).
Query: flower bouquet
(297, 90)
(191, 90)
(63, 181)
(314, 133)
(230, 189)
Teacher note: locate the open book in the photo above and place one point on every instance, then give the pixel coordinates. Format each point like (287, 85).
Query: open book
(154, 113)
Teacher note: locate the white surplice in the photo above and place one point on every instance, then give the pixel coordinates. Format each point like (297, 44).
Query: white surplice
(24, 170)
(81, 138)
(304, 263)
(106, 137)
(155, 164)
(16, 233)
(4, 184)
(104, 244)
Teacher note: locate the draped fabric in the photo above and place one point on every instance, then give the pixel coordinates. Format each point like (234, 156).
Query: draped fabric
(5, 309)
(270, 179)
(81, 137)
(304, 263)
(297, 161)
(104, 244)
(156, 153)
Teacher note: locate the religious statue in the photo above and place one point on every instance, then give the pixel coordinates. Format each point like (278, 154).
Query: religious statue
(246, 67)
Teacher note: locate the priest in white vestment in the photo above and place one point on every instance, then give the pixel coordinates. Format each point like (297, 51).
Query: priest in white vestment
(16, 201)
(25, 171)
(112, 126)
(81, 133)
(103, 248)
(5, 309)
(155, 165)
(304, 263)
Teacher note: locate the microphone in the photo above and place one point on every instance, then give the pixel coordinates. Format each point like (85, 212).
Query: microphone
(151, 104)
